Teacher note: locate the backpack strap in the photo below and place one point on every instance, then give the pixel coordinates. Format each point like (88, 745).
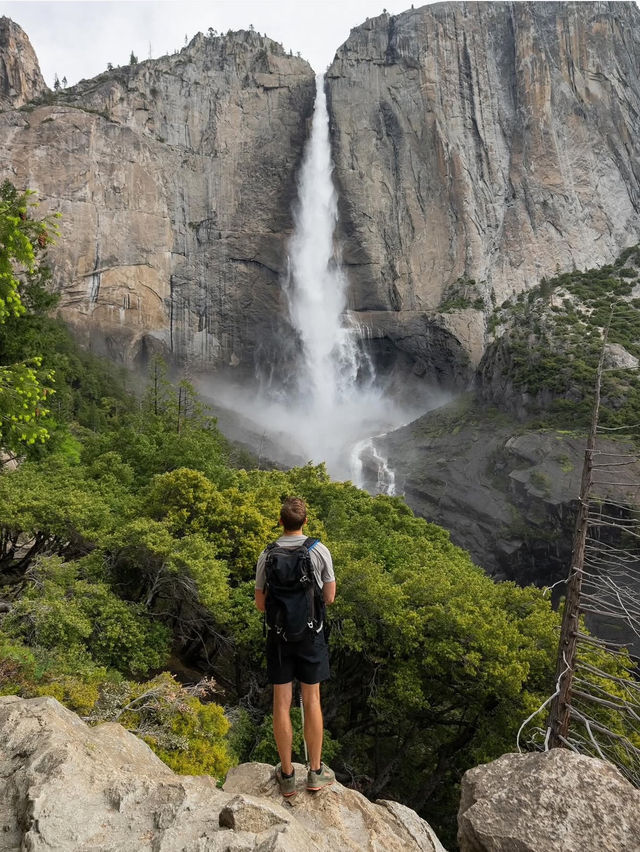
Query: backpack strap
(267, 550)
(314, 601)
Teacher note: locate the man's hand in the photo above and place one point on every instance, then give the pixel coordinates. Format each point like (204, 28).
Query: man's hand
(260, 598)
(328, 592)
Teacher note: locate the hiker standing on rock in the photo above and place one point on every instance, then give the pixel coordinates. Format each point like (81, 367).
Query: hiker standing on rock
(294, 581)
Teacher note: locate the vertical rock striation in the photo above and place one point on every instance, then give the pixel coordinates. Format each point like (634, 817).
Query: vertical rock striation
(175, 179)
(478, 147)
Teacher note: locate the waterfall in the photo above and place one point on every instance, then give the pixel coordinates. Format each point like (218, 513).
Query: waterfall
(334, 376)
(316, 285)
(336, 404)
(366, 451)
(339, 404)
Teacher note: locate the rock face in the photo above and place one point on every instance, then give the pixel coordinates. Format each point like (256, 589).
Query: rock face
(175, 179)
(508, 495)
(547, 802)
(478, 147)
(72, 788)
(20, 77)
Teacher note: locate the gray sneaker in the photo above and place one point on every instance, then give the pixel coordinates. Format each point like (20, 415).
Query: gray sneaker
(320, 779)
(287, 785)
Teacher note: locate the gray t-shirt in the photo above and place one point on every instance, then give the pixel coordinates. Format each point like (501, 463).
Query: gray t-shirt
(320, 560)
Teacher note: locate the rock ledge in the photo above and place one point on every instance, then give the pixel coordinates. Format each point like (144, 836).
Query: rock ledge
(69, 787)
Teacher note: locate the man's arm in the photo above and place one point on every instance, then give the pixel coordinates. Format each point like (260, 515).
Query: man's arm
(261, 581)
(328, 592)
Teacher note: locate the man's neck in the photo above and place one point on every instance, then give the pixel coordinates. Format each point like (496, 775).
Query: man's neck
(293, 532)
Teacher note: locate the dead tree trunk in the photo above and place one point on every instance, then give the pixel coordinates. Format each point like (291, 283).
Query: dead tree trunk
(560, 711)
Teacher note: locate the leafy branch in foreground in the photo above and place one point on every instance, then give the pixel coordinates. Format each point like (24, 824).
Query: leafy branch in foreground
(24, 386)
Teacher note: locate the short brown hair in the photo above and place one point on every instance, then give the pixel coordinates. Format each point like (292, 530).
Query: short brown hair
(293, 513)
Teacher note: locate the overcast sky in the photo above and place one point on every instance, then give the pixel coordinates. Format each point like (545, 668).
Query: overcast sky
(76, 39)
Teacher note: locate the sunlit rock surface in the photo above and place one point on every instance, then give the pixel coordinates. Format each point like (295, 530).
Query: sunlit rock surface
(68, 787)
(478, 147)
(547, 802)
(175, 178)
(20, 77)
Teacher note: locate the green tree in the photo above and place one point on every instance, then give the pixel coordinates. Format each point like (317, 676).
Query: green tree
(54, 508)
(23, 385)
(181, 724)
(62, 609)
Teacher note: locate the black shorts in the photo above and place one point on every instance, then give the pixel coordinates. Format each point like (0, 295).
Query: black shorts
(306, 661)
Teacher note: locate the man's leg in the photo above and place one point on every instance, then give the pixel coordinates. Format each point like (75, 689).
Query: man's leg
(313, 723)
(282, 732)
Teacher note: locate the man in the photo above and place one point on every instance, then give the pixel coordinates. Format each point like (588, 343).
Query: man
(306, 660)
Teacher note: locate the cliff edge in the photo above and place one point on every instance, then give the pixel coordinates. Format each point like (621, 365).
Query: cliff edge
(69, 787)
(20, 76)
(175, 179)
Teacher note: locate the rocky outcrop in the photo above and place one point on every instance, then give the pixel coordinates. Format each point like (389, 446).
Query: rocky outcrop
(175, 178)
(69, 787)
(478, 147)
(546, 802)
(20, 77)
(508, 495)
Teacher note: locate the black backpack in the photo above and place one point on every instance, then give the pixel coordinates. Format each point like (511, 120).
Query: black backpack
(294, 605)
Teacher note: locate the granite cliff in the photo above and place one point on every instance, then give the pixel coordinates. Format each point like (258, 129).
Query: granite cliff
(175, 178)
(507, 492)
(20, 77)
(478, 147)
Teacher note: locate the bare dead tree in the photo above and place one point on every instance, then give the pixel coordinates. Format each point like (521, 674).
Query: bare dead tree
(595, 708)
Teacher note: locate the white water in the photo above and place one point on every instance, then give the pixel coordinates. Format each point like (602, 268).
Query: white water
(316, 287)
(337, 405)
(366, 450)
(335, 378)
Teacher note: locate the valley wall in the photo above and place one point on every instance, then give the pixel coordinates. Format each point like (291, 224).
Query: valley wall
(175, 179)
(479, 147)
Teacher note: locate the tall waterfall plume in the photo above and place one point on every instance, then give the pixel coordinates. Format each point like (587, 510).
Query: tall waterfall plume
(334, 405)
(316, 285)
(338, 400)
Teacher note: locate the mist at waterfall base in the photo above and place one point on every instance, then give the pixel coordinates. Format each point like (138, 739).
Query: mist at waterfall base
(327, 405)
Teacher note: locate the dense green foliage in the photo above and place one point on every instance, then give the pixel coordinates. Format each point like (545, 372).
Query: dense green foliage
(143, 541)
(549, 340)
(23, 381)
(110, 559)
